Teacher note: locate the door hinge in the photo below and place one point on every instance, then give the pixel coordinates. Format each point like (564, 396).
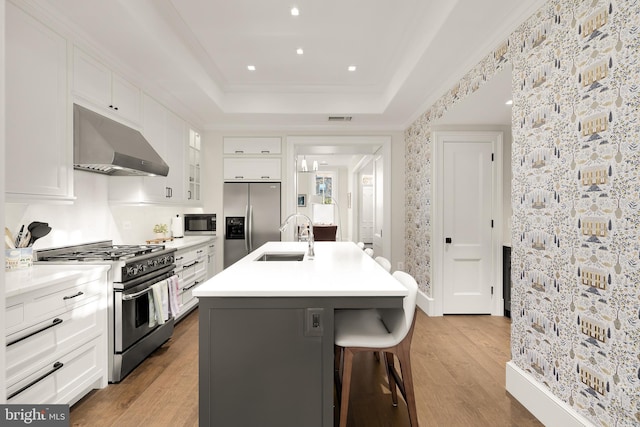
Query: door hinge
(492, 157)
(492, 290)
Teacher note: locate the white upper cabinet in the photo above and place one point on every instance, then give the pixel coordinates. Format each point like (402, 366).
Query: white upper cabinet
(252, 145)
(106, 91)
(254, 158)
(39, 155)
(175, 153)
(193, 165)
(252, 169)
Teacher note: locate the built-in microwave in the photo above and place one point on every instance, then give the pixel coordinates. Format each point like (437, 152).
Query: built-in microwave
(199, 224)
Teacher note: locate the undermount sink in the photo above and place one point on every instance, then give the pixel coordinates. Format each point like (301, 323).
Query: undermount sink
(281, 256)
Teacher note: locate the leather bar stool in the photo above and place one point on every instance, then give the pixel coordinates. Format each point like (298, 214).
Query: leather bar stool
(390, 332)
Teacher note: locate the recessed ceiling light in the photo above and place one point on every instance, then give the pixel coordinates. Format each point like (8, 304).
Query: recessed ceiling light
(352, 68)
(509, 102)
(295, 11)
(299, 51)
(251, 67)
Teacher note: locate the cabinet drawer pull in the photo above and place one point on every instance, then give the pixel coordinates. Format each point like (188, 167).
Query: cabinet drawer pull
(56, 366)
(265, 152)
(55, 322)
(239, 176)
(190, 265)
(239, 151)
(73, 296)
(196, 283)
(265, 177)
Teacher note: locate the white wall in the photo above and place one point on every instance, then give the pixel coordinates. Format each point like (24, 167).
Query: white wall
(90, 217)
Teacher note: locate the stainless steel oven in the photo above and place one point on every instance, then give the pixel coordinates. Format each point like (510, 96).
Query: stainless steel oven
(134, 270)
(200, 224)
(133, 318)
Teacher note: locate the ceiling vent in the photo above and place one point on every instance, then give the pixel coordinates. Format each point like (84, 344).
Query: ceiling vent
(340, 118)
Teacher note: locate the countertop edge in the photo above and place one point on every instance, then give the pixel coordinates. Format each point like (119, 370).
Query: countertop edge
(39, 276)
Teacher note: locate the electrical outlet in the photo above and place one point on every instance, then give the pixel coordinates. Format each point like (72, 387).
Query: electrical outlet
(126, 225)
(400, 265)
(313, 326)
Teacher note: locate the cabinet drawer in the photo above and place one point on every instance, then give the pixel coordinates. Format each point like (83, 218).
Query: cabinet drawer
(62, 381)
(189, 286)
(184, 258)
(200, 267)
(253, 169)
(189, 272)
(43, 342)
(252, 145)
(27, 311)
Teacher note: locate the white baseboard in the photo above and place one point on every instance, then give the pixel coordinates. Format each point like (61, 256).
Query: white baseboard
(426, 304)
(545, 406)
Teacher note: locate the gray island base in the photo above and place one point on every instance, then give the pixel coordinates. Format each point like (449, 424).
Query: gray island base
(266, 333)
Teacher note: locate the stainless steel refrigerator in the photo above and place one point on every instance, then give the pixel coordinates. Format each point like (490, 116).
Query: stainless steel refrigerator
(251, 217)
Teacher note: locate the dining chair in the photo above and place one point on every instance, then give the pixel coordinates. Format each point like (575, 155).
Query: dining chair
(391, 332)
(360, 245)
(369, 252)
(385, 263)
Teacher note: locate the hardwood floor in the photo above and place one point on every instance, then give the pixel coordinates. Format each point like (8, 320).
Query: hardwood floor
(458, 365)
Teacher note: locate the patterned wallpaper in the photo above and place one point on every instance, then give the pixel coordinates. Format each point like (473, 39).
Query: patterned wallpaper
(575, 198)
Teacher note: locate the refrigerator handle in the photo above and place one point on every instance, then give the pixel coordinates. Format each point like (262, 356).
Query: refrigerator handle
(246, 228)
(250, 228)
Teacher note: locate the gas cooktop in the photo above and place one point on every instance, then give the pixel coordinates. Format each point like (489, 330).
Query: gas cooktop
(129, 261)
(97, 251)
(102, 253)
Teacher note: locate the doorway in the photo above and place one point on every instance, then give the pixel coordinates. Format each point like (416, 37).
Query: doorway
(354, 152)
(468, 189)
(366, 205)
(485, 114)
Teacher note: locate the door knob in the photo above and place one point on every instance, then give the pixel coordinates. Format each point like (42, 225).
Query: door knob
(447, 239)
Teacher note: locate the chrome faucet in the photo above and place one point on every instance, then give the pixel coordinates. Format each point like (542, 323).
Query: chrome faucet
(286, 223)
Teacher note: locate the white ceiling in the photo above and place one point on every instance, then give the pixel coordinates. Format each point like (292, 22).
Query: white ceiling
(486, 106)
(407, 53)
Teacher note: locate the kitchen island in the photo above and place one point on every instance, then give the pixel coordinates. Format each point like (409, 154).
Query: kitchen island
(266, 332)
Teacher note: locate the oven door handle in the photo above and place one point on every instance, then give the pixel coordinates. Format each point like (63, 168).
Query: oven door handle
(135, 295)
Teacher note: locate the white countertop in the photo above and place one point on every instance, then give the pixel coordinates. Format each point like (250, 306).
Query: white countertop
(187, 241)
(339, 269)
(38, 276)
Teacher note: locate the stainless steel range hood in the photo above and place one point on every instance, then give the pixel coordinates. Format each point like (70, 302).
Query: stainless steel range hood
(105, 146)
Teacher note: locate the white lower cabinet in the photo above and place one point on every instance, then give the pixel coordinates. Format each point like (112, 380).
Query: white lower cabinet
(56, 338)
(63, 381)
(211, 260)
(191, 268)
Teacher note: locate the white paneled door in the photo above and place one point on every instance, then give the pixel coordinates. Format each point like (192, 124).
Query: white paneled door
(467, 227)
(366, 213)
